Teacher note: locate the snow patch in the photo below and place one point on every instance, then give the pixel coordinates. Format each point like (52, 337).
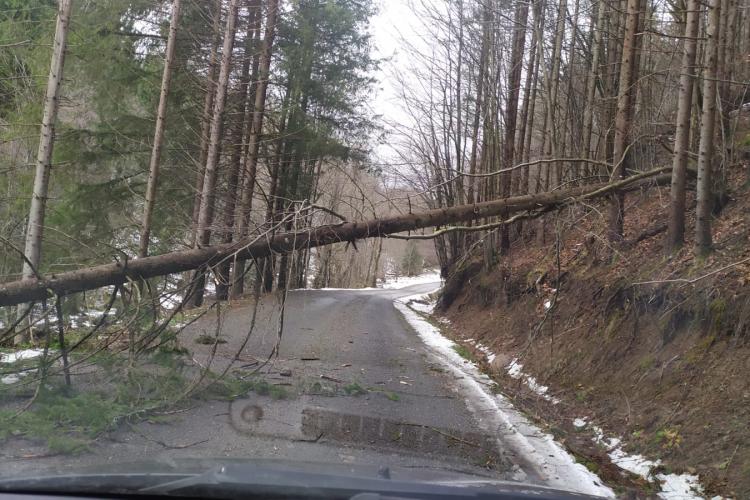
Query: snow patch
(12, 357)
(673, 486)
(394, 283)
(679, 486)
(495, 414)
(579, 423)
(328, 289)
(10, 379)
(423, 306)
(515, 370)
(488, 354)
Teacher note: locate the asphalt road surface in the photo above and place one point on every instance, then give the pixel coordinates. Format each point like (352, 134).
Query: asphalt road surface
(352, 383)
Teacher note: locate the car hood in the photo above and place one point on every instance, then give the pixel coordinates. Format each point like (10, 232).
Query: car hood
(229, 478)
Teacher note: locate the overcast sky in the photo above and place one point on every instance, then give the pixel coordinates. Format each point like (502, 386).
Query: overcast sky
(393, 20)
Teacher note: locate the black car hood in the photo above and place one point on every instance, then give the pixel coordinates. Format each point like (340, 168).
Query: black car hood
(234, 478)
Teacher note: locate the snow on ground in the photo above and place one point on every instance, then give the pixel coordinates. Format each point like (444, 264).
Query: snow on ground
(12, 357)
(488, 354)
(10, 379)
(579, 423)
(554, 466)
(515, 370)
(674, 486)
(425, 307)
(395, 282)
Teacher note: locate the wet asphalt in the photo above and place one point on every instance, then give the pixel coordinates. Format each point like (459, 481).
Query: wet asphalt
(351, 383)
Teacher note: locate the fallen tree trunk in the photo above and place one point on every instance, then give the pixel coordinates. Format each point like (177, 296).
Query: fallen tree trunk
(17, 292)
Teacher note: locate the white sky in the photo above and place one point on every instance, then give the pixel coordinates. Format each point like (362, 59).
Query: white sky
(393, 21)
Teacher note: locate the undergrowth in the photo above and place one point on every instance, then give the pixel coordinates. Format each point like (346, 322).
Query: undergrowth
(464, 352)
(67, 420)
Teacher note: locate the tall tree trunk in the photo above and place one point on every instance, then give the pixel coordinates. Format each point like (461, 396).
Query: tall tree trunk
(459, 190)
(378, 250)
(615, 30)
(676, 227)
(525, 119)
(37, 211)
(275, 169)
(208, 106)
(479, 104)
(161, 115)
(290, 193)
(623, 118)
(511, 106)
(235, 161)
(706, 146)
(588, 113)
(205, 217)
(724, 76)
(549, 145)
(256, 130)
(532, 99)
(571, 129)
(555, 86)
(35, 229)
(288, 179)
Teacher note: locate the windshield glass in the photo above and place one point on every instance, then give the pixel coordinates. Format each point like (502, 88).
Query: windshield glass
(484, 244)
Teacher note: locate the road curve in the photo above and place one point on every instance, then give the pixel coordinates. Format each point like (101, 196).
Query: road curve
(359, 386)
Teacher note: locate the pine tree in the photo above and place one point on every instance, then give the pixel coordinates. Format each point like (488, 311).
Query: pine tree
(154, 163)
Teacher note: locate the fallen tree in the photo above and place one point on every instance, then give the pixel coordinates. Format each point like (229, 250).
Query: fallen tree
(29, 290)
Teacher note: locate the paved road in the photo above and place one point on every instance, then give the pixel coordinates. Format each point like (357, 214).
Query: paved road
(360, 387)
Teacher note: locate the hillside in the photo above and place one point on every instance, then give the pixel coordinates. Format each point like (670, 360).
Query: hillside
(648, 347)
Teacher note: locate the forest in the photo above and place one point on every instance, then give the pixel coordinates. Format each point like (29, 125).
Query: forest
(163, 160)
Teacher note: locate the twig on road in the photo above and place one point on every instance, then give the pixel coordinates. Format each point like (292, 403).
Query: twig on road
(442, 433)
(165, 445)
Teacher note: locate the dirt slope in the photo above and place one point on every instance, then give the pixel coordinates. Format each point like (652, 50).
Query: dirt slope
(664, 364)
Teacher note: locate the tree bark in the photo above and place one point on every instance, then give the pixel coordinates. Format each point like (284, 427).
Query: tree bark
(37, 211)
(625, 99)
(478, 106)
(526, 118)
(554, 85)
(208, 105)
(205, 217)
(161, 114)
(588, 113)
(676, 228)
(511, 106)
(708, 122)
(237, 146)
(256, 129)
